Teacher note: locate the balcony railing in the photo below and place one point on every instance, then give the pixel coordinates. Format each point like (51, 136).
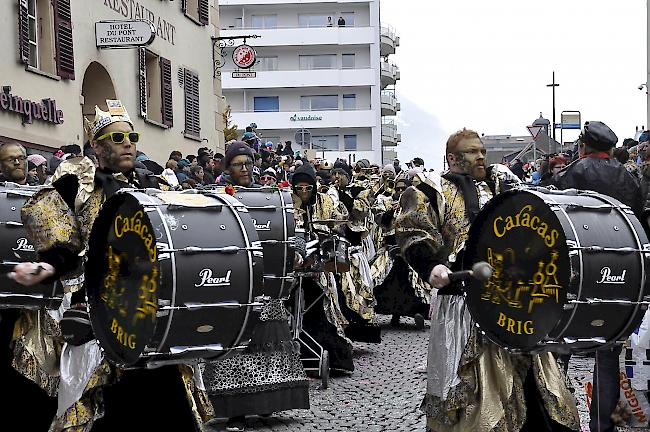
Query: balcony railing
(237, 27)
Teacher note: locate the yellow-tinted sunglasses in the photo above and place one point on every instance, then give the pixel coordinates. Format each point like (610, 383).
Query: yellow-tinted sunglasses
(118, 137)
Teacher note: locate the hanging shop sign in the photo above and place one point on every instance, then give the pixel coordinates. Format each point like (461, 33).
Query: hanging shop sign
(244, 56)
(45, 110)
(124, 34)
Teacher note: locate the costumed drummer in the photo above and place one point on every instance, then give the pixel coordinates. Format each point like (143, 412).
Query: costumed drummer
(472, 384)
(30, 342)
(599, 171)
(94, 395)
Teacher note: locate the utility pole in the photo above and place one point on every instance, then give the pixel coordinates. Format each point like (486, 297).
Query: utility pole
(553, 85)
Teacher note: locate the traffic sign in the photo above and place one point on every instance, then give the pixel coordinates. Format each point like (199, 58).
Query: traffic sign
(534, 130)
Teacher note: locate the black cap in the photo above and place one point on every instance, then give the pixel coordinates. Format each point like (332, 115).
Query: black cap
(237, 148)
(598, 135)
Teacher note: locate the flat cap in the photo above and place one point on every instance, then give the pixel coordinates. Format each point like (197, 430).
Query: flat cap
(598, 135)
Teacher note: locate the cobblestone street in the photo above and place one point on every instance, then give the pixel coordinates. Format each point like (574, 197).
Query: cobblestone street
(384, 392)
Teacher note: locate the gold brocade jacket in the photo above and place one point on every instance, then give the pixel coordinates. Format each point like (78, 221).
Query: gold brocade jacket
(50, 222)
(488, 393)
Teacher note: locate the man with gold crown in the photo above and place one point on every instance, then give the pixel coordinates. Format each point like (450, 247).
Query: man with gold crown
(93, 395)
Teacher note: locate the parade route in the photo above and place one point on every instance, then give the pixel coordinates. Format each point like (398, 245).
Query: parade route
(383, 393)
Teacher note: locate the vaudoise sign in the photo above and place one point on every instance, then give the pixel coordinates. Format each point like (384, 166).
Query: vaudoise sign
(124, 34)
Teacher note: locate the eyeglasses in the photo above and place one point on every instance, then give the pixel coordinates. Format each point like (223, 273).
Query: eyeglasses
(307, 188)
(11, 159)
(267, 177)
(240, 165)
(118, 137)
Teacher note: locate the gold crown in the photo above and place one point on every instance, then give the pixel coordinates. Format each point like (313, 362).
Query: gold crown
(116, 113)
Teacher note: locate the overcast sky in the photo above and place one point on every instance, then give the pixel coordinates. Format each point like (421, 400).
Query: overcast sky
(485, 65)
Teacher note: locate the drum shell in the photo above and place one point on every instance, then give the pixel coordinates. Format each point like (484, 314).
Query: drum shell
(16, 247)
(336, 257)
(586, 219)
(272, 212)
(197, 278)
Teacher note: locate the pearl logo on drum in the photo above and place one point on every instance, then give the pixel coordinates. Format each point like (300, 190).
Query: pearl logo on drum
(607, 278)
(262, 227)
(208, 281)
(22, 245)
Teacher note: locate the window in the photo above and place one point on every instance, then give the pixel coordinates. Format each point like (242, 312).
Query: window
(155, 74)
(350, 142)
(266, 104)
(324, 61)
(349, 18)
(325, 142)
(319, 103)
(264, 21)
(192, 109)
(347, 61)
(239, 23)
(316, 20)
(266, 63)
(349, 101)
(45, 36)
(197, 10)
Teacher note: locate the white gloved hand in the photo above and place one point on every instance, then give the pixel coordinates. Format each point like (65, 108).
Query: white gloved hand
(439, 276)
(30, 273)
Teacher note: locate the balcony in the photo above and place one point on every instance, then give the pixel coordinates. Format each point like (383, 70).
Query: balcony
(301, 78)
(389, 104)
(291, 36)
(307, 119)
(388, 41)
(389, 135)
(389, 74)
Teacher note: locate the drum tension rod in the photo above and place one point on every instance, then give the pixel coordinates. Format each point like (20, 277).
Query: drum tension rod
(597, 249)
(196, 250)
(605, 208)
(12, 223)
(590, 301)
(224, 305)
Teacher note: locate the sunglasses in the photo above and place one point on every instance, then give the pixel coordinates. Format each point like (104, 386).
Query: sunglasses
(307, 188)
(267, 177)
(118, 137)
(240, 165)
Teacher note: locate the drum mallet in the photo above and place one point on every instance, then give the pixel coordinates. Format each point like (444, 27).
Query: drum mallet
(480, 271)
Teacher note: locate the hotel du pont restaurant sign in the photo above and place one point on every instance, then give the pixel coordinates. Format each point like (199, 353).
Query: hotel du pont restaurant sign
(124, 34)
(45, 110)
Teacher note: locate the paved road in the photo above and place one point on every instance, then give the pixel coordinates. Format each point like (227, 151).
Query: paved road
(383, 394)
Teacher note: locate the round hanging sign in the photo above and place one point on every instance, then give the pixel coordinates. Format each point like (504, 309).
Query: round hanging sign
(244, 56)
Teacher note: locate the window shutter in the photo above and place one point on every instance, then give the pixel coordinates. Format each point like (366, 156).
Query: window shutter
(192, 113)
(204, 11)
(63, 31)
(142, 76)
(183, 6)
(23, 31)
(166, 97)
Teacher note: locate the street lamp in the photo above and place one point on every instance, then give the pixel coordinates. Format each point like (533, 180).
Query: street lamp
(641, 86)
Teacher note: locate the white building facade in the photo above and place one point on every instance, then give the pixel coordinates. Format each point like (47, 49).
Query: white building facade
(51, 59)
(319, 68)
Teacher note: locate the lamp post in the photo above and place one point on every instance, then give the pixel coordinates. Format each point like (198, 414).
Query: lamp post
(553, 85)
(641, 86)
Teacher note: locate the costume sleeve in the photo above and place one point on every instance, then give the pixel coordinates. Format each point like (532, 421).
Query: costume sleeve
(417, 230)
(52, 227)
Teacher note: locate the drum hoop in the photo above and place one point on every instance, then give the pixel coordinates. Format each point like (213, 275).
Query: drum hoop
(286, 233)
(574, 310)
(632, 316)
(172, 256)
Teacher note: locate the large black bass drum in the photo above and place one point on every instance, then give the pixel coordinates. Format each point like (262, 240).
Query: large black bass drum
(272, 212)
(172, 276)
(569, 270)
(15, 247)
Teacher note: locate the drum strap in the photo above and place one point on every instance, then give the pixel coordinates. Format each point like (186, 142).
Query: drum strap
(467, 187)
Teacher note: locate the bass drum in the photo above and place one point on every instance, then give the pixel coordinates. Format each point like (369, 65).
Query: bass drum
(15, 247)
(172, 276)
(569, 270)
(272, 212)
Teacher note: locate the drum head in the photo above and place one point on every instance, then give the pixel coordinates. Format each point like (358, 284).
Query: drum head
(520, 236)
(122, 278)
